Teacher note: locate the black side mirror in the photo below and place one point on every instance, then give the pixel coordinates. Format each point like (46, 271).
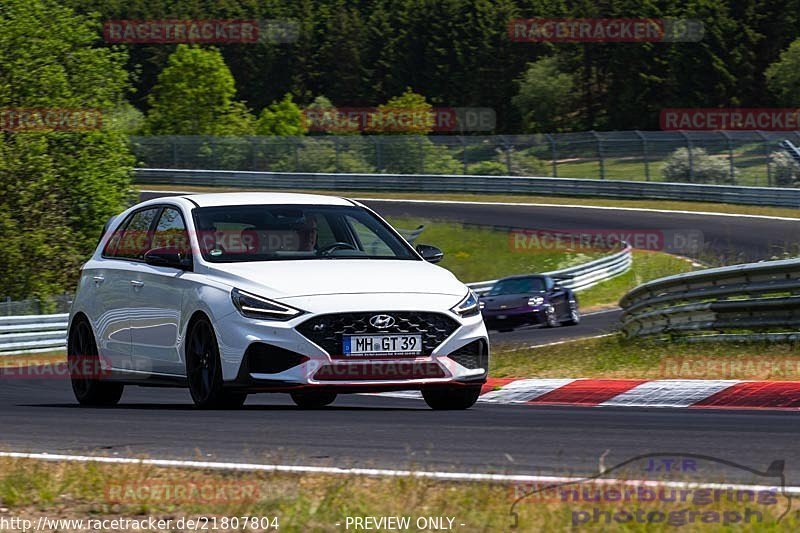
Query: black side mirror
(168, 257)
(429, 253)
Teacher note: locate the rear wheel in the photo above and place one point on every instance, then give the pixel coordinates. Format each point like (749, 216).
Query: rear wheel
(451, 399)
(204, 370)
(85, 369)
(313, 400)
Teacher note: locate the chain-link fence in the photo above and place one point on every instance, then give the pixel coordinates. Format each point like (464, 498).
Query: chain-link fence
(744, 158)
(36, 306)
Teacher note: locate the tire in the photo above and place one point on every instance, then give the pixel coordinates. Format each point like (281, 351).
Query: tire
(83, 359)
(551, 320)
(204, 370)
(574, 314)
(313, 400)
(451, 399)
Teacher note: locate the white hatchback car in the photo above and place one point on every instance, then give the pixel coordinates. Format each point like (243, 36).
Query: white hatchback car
(231, 294)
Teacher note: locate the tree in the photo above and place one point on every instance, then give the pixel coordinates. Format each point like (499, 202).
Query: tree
(410, 117)
(783, 76)
(283, 118)
(57, 188)
(545, 97)
(195, 94)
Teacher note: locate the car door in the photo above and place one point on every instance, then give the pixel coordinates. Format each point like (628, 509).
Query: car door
(157, 296)
(109, 283)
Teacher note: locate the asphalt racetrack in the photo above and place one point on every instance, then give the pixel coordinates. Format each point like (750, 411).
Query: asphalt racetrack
(371, 431)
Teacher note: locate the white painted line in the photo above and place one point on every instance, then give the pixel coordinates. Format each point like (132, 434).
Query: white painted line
(602, 311)
(402, 394)
(556, 343)
(524, 390)
(669, 393)
(444, 476)
(531, 204)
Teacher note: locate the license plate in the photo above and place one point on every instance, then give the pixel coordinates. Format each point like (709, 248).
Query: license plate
(365, 345)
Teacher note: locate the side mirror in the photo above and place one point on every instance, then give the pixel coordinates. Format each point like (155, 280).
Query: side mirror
(168, 257)
(431, 254)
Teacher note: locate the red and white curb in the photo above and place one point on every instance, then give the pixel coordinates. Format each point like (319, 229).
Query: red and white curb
(668, 393)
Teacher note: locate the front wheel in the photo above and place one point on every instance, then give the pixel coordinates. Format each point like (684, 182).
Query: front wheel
(550, 318)
(451, 399)
(204, 370)
(313, 400)
(85, 369)
(574, 315)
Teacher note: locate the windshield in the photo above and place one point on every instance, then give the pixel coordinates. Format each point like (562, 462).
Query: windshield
(517, 286)
(290, 232)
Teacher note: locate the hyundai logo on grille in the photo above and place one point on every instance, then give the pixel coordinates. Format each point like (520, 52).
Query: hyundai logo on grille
(382, 321)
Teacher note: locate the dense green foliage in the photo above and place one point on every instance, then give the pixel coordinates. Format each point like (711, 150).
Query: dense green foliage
(458, 53)
(57, 189)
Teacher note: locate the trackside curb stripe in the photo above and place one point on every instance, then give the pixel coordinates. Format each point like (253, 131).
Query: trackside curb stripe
(666, 393)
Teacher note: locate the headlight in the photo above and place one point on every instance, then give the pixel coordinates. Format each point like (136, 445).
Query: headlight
(468, 306)
(253, 306)
(536, 300)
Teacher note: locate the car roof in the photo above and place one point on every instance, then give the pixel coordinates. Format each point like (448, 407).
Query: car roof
(264, 198)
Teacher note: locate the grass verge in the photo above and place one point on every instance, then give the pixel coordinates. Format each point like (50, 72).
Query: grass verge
(323, 503)
(646, 266)
(615, 357)
(480, 254)
(668, 205)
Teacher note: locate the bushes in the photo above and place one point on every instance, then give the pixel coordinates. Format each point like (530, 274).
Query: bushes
(785, 171)
(317, 155)
(696, 166)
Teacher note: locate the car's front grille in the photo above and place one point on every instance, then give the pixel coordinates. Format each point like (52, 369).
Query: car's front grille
(473, 355)
(327, 330)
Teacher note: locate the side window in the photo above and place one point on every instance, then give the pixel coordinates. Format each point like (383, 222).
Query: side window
(549, 283)
(372, 243)
(112, 244)
(136, 238)
(171, 232)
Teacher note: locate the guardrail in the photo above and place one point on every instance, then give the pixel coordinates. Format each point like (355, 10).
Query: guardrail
(33, 333)
(579, 277)
(768, 196)
(754, 301)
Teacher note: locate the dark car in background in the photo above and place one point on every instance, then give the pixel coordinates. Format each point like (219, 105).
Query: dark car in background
(529, 300)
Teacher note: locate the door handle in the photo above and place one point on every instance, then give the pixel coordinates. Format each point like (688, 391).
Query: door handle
(137, 284)
(98, 279)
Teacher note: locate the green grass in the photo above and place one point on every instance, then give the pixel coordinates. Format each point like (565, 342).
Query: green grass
(646, 266)
(668, 205)
(616, 357)
(31, 489)
(480, 254)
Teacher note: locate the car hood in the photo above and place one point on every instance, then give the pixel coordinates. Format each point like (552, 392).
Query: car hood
(291, 279)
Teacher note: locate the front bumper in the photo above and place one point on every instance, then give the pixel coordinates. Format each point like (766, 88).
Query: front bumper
(510, 318)
(314, 367)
